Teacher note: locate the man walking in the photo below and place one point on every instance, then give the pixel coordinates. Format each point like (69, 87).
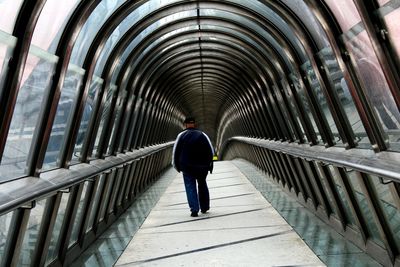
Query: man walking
(193, 155)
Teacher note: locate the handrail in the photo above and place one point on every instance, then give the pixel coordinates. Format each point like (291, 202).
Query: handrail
(384, 164)
(16, 193)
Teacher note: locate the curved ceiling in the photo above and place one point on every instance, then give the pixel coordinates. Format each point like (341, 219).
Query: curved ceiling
(209, 58)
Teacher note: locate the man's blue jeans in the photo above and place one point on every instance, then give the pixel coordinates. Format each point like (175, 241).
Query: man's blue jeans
(191, 192)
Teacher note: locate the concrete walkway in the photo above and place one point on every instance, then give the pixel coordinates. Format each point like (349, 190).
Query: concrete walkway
(241, 229)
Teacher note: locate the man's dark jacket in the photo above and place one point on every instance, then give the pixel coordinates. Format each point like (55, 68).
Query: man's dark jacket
(193, 153)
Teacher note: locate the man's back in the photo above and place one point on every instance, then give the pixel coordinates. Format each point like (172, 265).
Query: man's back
(193, 151)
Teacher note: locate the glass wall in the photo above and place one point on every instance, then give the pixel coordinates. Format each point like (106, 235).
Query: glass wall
(55, 241)
(5, 223)
(95, 86)
(372, 228)
(390, 13)
(80, 215)
(51, 23)
(105, 114)
(388, 197)
(9, 11)
(306, 105)
(32, 233)
(63, 119)
(338, 83)
(368, 69)
(35, 84)
(7, 45)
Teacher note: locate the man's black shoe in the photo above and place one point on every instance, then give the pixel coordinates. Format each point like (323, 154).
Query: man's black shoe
(194, 214)
(204, 211)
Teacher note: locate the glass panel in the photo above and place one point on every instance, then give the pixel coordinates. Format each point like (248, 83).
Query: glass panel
(388, 205)
(368, 68)
(66, 104)
(32, 233)
(129, 21)
(87, 114)
(281, 105)
(115, 187)
(306, 104)
(118, 107)
(309, 20)
(342, 195)
(326, 187)
(109, 179)
(104, 115)
(375, 86)
(391, 17)
(7, 44)
(271, 16)
(9, 12)
(51, 23)
(55, 242)
(35, 83)
(96, 202)
(5, 221)
(345, 13)
(337, 81)
(79, 216)
(321, 99)
(86, 36)
(293, 107)
(365, 208)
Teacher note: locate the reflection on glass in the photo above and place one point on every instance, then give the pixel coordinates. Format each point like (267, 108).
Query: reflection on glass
(272, 16)
(109, 179)
(55, 241)
(104, 116)
(345, 13)
(306, 104)
(51, 23)
(9, 12)
(375, 86)
(307, 17)
(386, 198)
(373, 232)
(129, 21)
(96, 202)
(293, 107)
(391, 17)
(35, 82)
(342, 195)
(325, 185)
(100, 14)
(66, 104)
(32, 233)
(339, 84)
(118, 116)
(95, 85)
(321, 99)
(79, 216)
(281, 105)
(7, 44)
(5, 221)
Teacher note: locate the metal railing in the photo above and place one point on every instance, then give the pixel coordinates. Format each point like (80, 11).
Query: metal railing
(355, 191)
(49, 220)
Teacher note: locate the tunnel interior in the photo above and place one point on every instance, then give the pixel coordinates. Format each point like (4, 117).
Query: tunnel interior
(306, 90)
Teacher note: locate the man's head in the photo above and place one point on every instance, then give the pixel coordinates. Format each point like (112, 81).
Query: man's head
(189, 122)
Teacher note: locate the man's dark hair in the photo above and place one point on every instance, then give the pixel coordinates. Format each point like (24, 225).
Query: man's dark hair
(189, 120)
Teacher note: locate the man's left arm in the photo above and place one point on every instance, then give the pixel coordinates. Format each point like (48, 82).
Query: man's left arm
(211, 167)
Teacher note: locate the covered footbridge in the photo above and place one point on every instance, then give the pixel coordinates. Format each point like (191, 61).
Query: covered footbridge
(297, 96)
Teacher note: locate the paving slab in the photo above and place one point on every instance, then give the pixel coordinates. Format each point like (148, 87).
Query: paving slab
(241, 229)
